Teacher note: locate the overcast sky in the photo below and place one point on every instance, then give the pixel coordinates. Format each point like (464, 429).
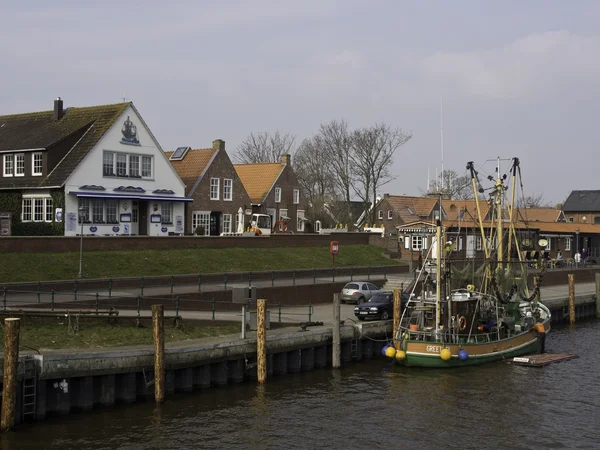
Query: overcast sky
(517, 78)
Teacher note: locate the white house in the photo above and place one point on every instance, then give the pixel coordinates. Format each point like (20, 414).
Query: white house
(95, 170)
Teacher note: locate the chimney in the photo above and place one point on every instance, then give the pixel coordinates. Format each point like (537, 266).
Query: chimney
(218, 144)
(559, 206)
(58, 109)
(286, 159)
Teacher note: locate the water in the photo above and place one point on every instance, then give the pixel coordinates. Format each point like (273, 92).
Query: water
(368, 405)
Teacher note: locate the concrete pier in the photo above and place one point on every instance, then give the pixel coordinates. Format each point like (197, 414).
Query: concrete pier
(293, 361)
(184, 380)
(201, 377)
(169, 382)
(321, 357)
(367, 349)
(104, 390)
(125, 390)
(307, 359)
(235, 371)
(218, 374)
(280, 364)
(82, 393)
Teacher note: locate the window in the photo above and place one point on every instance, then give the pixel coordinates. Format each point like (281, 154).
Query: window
(419, 243)
(296, 196)
(300, 216)
(9, 165)
(549, 239)
(166, 212)
(214, 188)
(277, 195)
(36, 164)
(108, 162)
(85, 214)
(478, 243)
(111, 211)
(26, 210)
(571, 219)
(390, 214)
(49, 210)
(567, 244)
(97, 211)
(201, 219)
(20, 165)
(146, 166)
(380, 214)
(283, 217)
(38, 209)
(121, 164)
(226, 223)
(134, 165)
(227, 189)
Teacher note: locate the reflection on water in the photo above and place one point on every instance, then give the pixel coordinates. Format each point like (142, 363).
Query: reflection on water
(367, 405)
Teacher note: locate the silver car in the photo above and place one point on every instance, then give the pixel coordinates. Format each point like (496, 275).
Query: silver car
(358, 292)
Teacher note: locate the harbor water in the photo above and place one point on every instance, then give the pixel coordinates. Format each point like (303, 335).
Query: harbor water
(371, 404)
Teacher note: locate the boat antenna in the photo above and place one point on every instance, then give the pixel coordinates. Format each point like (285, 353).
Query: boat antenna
(442, 136)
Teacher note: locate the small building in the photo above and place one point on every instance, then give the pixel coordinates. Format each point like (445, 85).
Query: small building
(219, 197)
(94, 170)
(274, 190)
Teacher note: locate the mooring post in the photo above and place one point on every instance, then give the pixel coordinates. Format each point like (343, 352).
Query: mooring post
(11, 361)
(261, 340)
(571, 299)
(336, 344)
(397, 312)
(598, 296)
(158, 331)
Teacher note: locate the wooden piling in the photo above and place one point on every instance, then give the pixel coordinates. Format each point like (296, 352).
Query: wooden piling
(336, 357)
(261, 340)
(158, 331)
(571, 299)
(397, 312)
(598, 296)
(11, 361)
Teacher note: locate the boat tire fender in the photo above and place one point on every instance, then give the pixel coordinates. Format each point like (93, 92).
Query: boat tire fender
(462, 323)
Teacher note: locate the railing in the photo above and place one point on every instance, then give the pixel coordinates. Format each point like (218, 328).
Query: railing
(173, 284)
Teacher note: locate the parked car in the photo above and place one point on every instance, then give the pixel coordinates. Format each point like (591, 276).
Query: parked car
(358, 292)
(380, 306)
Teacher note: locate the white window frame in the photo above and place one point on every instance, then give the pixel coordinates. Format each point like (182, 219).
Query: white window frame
(567, 244)
(300, 220)
(380, 214)
(145, 163)
(105, 164)
(166, 213)
(201, 218)
(28, 208)
(282, 213)
(19, 158)
(215, 184)
(417, 242)
(571, 219)
(114, 205)
(226, 223)
(296, 194)
(9, 158)
(138, 159)
(390, 214)
(119, 160)
(277, 195)
(151, 176)
(33, 164)
(549, 239)
(478, 243)
(227, 189)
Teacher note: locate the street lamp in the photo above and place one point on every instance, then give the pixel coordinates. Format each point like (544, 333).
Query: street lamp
(577, 241)
(82, 209)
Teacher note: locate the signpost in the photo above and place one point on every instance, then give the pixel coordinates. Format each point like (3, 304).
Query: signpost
(334, 248)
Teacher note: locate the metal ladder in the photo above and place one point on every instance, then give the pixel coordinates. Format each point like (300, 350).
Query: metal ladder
(354, 345)
(29, 389)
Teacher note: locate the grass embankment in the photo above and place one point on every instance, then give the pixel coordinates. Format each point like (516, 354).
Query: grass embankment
(16, 267)
(39, 334)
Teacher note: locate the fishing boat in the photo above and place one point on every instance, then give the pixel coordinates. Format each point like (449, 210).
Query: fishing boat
(458, 314)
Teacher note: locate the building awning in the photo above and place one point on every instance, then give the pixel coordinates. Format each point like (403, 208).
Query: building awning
(163, 198)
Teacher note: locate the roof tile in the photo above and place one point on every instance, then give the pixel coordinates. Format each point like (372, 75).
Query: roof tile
(258, 179)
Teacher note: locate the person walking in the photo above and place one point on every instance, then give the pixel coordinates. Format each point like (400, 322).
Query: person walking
(584, 256)
(559, 259)
(577, 258)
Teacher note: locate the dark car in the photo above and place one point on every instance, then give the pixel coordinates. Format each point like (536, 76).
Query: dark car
(380, 306)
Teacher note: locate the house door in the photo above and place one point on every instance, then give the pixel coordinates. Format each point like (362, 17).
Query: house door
(215, 223)
(143, 218)
(470, 252)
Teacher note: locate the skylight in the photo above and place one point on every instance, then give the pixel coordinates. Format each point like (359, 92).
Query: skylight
(179, 153)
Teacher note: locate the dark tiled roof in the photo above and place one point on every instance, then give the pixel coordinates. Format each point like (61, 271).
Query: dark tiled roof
(39, 130)
(582, 201)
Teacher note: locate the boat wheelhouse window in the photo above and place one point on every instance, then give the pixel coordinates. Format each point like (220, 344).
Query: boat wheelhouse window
(264, 222)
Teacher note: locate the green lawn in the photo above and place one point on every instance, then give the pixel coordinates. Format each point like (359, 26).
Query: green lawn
(17, 267)
(36, 334)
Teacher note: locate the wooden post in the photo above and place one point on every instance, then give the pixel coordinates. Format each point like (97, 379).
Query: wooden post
(261, 340)
(598, 296)
(397, 312)
(158, 331)
(336, 344)
(571, 299)
(11, 361)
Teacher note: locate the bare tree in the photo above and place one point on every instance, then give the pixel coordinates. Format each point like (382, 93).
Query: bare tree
(372, 157)
(264, 147)
(450, 184)
(335, 142)
(532, 201)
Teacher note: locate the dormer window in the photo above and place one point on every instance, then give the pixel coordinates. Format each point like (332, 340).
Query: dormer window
(36, 164)
(9, 165)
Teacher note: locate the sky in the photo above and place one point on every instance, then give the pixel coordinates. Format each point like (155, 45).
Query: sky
(516, 79)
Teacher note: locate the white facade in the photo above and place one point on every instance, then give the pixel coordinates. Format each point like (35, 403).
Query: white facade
(126, 186)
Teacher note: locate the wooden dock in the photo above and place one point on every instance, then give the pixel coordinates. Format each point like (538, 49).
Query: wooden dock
(540, 360)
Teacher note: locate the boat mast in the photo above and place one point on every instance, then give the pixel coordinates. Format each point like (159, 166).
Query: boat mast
(511, 209)
(499, 189)
(438, 271)
(471, 168)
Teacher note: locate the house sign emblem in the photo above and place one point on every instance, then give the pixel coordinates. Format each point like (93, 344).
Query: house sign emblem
(129, 131)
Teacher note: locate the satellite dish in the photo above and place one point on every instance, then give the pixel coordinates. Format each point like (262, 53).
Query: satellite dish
(543, 242)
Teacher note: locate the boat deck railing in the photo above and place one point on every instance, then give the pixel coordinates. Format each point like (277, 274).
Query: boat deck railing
(428, 334)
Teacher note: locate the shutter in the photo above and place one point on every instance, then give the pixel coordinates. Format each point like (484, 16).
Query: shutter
(425, 239)
(407, 242)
